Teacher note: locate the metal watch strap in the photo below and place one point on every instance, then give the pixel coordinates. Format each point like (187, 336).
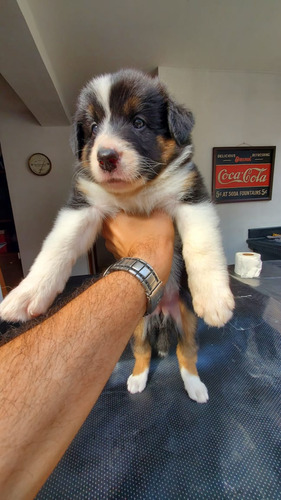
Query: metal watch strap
(146, 275)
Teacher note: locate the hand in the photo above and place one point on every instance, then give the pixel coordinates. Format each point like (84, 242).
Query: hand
(148, 238)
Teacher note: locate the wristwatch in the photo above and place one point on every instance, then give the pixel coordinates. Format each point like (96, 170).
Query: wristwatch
(153, 286)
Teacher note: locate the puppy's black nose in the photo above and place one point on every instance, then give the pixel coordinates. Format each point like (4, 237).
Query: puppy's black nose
(108, 159)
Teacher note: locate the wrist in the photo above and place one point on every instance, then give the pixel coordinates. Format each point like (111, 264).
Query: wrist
(128, 284)
(145, 274)
(159, 256)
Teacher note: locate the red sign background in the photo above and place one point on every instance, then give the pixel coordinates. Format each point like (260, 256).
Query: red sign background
(238, 176)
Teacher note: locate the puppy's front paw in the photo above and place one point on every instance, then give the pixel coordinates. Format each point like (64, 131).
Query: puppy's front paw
(30, 298)
(213, 302)
(137, 383)
(194, 387)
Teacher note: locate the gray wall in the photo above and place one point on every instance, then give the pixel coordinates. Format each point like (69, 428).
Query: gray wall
(35, 200)
(231, 108)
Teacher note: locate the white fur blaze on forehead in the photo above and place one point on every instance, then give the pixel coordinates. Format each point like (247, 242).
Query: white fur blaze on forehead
(111, 141)
(101, 87)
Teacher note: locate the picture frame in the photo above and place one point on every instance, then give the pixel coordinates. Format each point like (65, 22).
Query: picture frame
(242, 173)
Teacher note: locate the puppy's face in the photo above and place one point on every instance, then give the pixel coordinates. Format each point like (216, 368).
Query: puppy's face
(128, 130)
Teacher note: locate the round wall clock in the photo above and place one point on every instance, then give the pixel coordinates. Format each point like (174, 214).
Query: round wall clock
(39, 164)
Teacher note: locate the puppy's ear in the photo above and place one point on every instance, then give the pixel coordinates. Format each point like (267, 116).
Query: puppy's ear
(180, 121)
(78, 139)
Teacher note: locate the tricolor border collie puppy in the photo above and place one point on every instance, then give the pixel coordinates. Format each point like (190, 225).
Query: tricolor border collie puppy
(134, 153)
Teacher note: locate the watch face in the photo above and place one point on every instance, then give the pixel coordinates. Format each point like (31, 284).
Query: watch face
(39, 164)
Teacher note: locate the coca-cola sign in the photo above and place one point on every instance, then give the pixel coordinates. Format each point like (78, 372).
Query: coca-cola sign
(242, 173)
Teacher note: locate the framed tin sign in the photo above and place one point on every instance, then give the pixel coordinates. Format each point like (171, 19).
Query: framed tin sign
(243, 173)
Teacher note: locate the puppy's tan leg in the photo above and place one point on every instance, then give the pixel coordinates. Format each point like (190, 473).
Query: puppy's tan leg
(142, 352)
(187, 356)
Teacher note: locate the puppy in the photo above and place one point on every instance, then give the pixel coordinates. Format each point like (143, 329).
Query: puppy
(134, 153)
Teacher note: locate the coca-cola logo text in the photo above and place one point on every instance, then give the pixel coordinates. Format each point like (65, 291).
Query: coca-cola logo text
(252, 175)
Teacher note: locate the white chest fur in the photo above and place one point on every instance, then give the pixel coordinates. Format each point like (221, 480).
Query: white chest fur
(164, 193)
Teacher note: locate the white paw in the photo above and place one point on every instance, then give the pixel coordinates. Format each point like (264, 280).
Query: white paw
(137, 383)
(194, 387)
(29, 299)
(213, 301)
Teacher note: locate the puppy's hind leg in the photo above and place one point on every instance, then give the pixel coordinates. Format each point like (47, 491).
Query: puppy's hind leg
(73, 233)
(187, 356)
(142, 353)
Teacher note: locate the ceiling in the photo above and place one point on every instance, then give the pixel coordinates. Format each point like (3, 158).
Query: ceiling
(50, 48)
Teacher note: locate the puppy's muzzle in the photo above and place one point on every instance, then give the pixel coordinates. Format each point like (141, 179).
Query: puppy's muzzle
(108, 159)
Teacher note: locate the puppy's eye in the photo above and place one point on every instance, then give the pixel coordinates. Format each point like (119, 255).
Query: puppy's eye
(138, 123)
(94, 128)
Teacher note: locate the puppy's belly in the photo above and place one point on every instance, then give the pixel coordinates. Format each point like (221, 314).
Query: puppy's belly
(169, 305)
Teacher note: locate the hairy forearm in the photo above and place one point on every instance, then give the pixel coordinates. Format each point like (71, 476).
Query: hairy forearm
(51, 376)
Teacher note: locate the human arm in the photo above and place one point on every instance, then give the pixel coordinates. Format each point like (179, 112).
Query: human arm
(51, 376)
